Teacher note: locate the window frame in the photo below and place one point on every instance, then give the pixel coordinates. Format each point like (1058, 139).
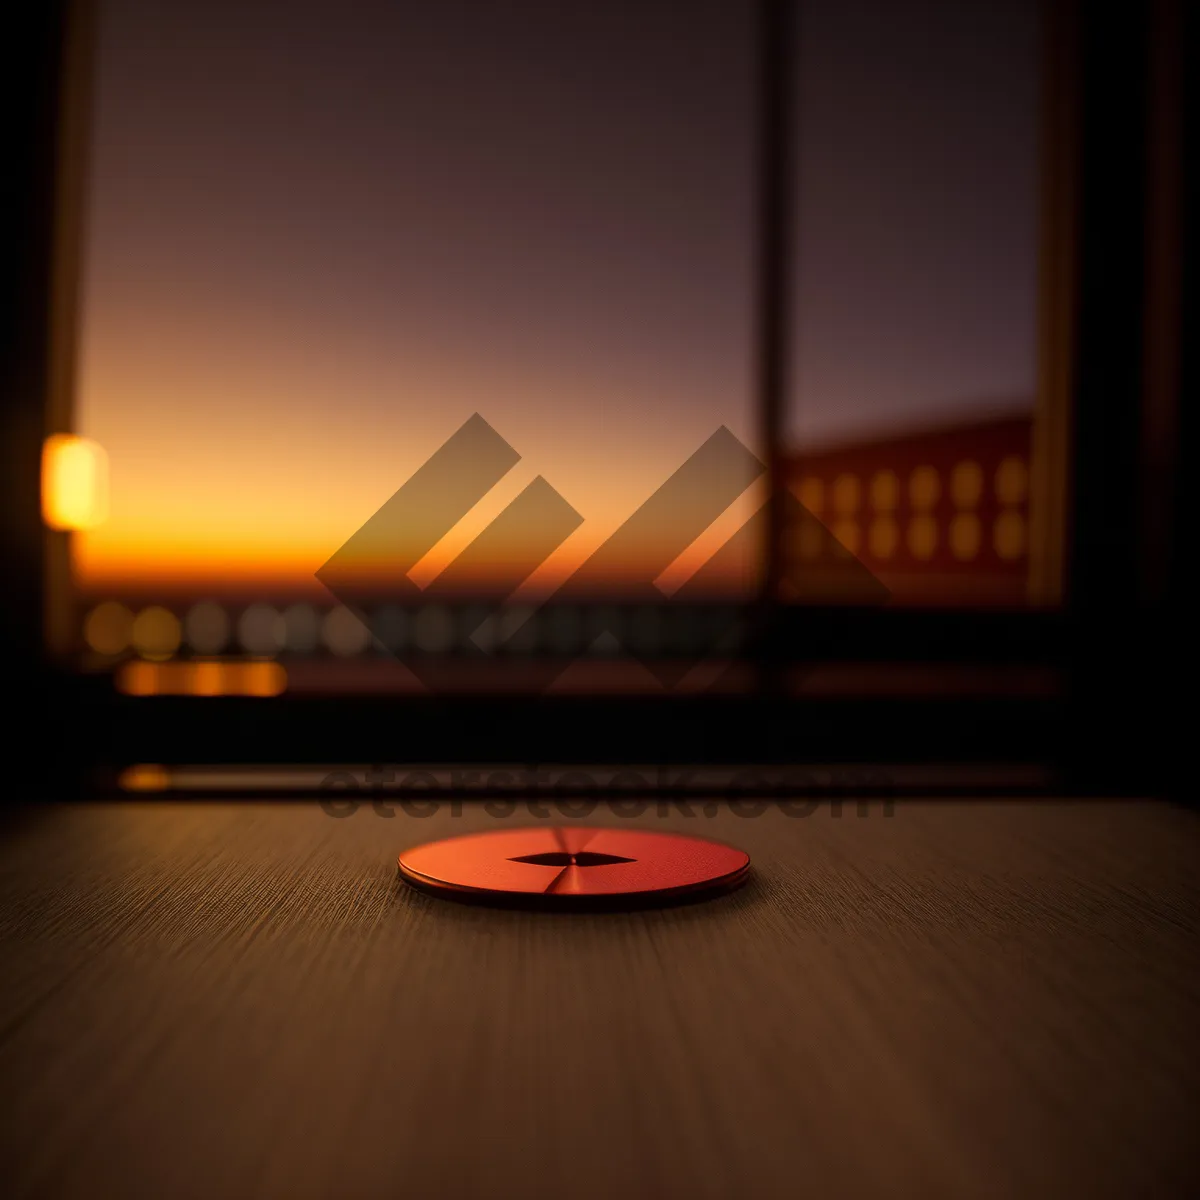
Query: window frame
(1085, 538)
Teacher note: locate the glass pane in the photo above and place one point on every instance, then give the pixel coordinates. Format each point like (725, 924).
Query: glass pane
(915, 373)
(324, 237)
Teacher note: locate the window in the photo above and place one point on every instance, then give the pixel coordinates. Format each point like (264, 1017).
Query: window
(915, 377)
(323, 252)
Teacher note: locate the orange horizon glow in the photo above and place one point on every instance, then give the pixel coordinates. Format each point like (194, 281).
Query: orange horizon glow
(199, 548)
(301, 275)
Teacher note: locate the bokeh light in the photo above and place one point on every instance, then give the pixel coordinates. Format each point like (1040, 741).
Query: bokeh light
(344, 633)
(301, 628)
(156, 633)
(108, 628)
(207, 628)
(262, 630)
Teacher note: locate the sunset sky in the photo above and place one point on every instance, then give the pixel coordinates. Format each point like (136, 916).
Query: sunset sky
(317, 246)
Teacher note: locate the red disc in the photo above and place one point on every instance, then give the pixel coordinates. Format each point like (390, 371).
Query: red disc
(573, 867)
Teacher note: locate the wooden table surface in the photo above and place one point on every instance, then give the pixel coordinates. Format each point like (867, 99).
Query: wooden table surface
(964, 999)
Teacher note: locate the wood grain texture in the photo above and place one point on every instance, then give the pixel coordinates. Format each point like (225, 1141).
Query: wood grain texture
(962, 1000)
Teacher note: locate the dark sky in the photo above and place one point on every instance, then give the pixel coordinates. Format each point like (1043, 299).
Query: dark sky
(323, 234)
(917, 210)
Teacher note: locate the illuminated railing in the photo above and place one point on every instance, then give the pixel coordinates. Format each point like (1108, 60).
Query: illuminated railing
(198, 677)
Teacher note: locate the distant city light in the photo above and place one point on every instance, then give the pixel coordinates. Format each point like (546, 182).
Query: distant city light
(207, 628)
(108, 628)
(846, 495)
(966, 535)
(883, 537)
(966, 484)
(922, 537)
(344, 633)
(433, 629)
(262, 679)
(156, 633)
(1012, 482)
(262, 630)
(847, 534)
(812, 493)
(924, 488)
(1009, 535)
(885, 491)
(301, 628)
